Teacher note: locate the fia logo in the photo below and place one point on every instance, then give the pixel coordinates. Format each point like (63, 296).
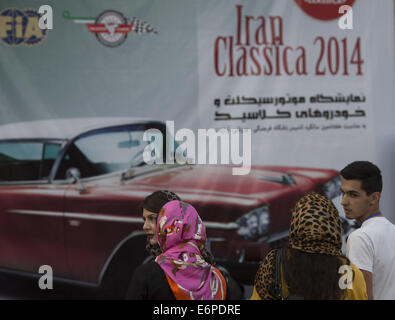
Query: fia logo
(28, 27)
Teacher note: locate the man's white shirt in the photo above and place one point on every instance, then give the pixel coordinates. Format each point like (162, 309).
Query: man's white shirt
(372, 248)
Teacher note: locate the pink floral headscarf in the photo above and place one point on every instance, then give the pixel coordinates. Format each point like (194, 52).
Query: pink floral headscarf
(181, 236)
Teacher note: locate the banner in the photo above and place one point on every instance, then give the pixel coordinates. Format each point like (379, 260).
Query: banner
(300, 80)
(284, 92)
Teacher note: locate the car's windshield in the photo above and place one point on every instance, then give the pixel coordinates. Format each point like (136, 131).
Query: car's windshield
(112, 147)
(27, 161)
(104, 151)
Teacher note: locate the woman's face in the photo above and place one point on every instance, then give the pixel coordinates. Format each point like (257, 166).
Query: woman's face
(149, 226)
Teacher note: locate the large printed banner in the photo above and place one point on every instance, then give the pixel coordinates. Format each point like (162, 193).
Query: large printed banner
(299, 74)
(309, 81)
(293, 74)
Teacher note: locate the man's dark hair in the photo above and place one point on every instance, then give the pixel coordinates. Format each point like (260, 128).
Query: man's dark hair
(156, 200)
(365, 171)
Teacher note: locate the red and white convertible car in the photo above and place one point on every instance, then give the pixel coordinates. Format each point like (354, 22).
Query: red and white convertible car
(70, 190)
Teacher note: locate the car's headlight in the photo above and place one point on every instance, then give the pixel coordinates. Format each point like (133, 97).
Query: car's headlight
(254, 223)
(332, 187)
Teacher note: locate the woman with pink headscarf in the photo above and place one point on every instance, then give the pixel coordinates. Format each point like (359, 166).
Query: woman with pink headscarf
(181, 270)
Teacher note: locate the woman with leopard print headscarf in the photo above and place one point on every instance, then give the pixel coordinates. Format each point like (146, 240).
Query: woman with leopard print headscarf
(312, 266)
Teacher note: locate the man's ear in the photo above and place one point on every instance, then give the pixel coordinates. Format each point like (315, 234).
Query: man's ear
(375, 197)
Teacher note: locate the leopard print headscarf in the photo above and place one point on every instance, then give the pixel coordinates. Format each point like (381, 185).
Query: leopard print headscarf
(315, 226)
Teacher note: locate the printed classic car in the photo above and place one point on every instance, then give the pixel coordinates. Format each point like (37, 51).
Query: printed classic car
(70, 191)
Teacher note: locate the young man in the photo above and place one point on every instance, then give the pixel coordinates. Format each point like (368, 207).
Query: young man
(371, 247)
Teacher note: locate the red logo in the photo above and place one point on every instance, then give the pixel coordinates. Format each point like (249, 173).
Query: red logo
(323, 9)
(111, 27)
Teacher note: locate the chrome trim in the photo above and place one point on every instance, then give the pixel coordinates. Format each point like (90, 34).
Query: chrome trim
(217, 197)
(102, 217)
(90, 179)
(111, 175)
(221, 225)
(204, 192)
(36, 212)
(24, 182)
(73, 215)
(98, 217)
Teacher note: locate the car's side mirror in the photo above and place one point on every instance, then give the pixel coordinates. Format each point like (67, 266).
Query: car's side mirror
(73, 175)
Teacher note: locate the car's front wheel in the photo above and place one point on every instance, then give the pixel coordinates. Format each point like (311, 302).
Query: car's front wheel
(121, 268)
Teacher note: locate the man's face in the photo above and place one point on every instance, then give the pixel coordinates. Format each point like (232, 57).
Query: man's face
(149, 226)
(356, 203)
